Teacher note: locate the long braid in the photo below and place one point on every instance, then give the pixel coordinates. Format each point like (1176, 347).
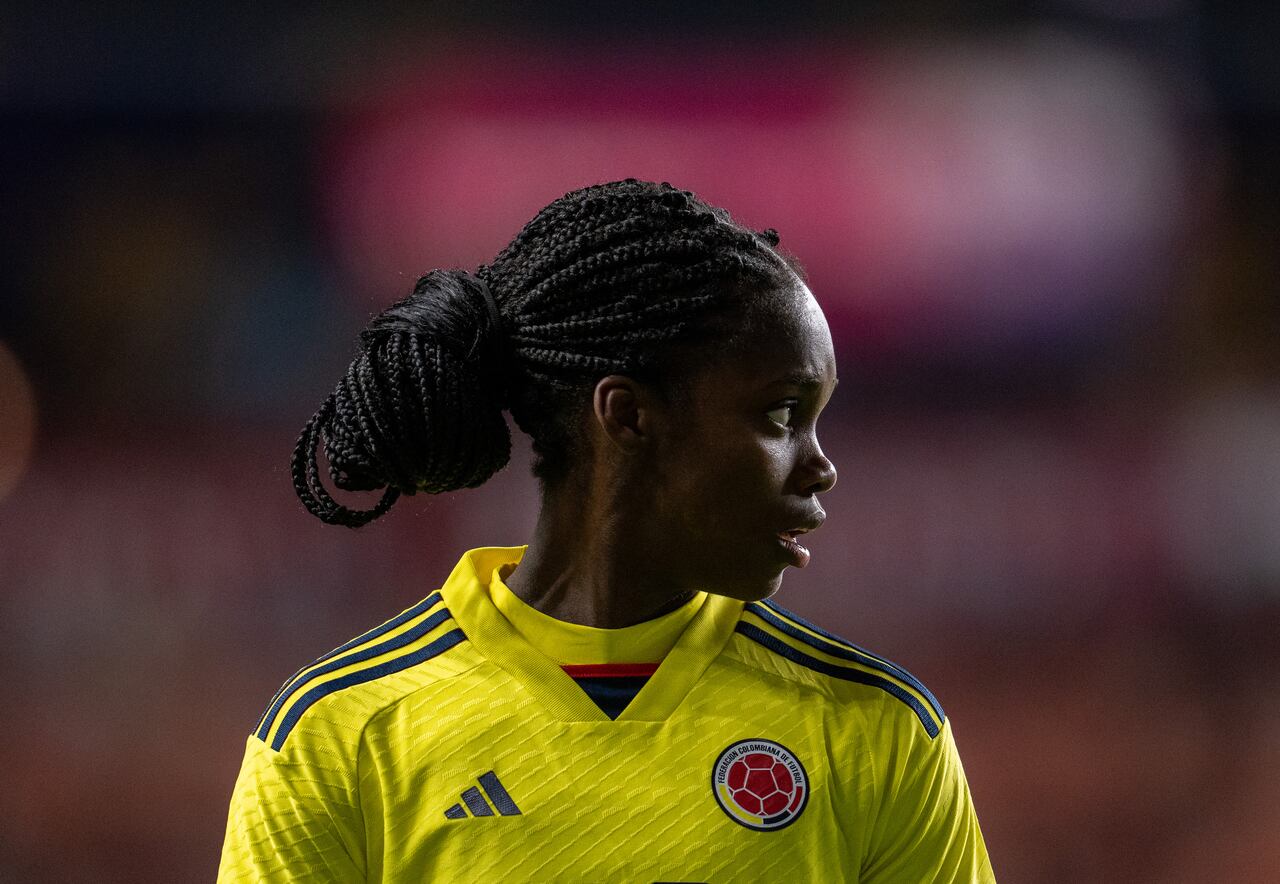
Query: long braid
(603, 280)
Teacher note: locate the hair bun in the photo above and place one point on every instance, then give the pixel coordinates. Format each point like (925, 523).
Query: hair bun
(420, 407)
(448, 304)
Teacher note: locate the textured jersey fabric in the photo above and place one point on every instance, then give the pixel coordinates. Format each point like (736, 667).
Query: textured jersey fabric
(443, 746)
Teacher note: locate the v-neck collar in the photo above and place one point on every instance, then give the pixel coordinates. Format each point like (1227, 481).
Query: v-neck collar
(467, 597)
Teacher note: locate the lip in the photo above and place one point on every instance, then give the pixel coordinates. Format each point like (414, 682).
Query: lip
(798, 555)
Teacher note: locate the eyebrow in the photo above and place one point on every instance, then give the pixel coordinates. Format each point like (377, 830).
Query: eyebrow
(800, 379)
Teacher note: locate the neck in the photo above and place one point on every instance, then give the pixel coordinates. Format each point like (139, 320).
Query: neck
(584, 565)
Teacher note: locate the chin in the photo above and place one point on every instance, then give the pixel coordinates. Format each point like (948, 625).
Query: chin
(751, 589)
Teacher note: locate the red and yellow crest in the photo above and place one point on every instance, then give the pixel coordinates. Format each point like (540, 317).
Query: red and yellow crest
(760, 784)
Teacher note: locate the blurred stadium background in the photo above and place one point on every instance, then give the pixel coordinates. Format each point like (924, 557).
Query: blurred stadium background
(1045, 237)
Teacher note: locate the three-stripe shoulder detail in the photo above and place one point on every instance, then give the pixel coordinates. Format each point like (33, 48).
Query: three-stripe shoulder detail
(377, 632)
(857, 664)
(400, 651)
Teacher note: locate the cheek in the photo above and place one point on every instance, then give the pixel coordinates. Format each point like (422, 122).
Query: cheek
(741, 485)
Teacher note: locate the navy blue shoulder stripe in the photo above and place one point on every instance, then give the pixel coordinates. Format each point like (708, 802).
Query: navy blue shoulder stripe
(399, 620)
(409, 636)
(389, 667)
(838, 647)
(829, 636)
(778, 646)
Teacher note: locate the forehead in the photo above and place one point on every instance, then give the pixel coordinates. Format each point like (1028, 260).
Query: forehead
(786, 338)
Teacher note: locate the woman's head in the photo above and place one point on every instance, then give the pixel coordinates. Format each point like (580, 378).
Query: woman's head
(629, 278)
(710, 487)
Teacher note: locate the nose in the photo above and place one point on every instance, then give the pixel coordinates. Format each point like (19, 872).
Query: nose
(819, 473)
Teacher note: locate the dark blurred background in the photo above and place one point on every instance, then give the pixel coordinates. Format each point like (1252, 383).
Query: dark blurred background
(1044, 236)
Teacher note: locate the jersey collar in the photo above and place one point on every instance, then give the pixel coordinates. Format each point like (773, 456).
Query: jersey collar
(468, 598)
(572, 643)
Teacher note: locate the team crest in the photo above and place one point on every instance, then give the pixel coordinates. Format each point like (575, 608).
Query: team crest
(760, 784)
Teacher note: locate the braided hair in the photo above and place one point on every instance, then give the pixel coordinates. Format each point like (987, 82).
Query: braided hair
(628, 277)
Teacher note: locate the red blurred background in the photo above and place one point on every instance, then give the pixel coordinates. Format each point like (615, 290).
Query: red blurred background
(1044, 238)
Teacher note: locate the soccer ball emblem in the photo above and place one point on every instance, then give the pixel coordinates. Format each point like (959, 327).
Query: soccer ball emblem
(760, 784)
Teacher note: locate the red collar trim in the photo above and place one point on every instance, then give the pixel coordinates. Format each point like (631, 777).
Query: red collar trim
(610, 670)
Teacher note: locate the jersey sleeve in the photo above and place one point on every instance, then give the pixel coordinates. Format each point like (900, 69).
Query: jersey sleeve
(291, 819)
(927, 829)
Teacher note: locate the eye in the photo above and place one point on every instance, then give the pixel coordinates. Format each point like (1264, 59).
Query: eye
(782, 414)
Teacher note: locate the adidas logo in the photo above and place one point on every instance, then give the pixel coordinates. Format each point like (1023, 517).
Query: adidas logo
(474, 801)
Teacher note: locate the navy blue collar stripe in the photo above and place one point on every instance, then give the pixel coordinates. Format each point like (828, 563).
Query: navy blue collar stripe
(317, 693)
(778, 646)
(837, 647)
(400, 619)
(407, 637)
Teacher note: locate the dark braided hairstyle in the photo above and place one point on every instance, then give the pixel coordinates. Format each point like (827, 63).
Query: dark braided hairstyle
(628, 277)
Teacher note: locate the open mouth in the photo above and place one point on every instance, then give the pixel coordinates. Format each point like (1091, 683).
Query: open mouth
(798, 554)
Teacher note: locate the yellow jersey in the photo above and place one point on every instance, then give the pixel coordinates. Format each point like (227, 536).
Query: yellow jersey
(444, 745)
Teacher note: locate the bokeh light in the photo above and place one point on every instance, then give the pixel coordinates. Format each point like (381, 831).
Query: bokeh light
(1045, 239)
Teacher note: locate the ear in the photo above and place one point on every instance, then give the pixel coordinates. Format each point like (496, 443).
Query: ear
(623, 410)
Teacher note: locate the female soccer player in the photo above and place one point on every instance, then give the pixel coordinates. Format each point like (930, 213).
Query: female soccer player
(618, 700)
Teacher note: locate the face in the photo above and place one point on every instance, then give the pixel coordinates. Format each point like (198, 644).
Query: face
(736, 469)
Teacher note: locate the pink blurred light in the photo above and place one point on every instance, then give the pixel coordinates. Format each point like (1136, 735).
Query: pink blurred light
(979, 192)
(459, 156)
